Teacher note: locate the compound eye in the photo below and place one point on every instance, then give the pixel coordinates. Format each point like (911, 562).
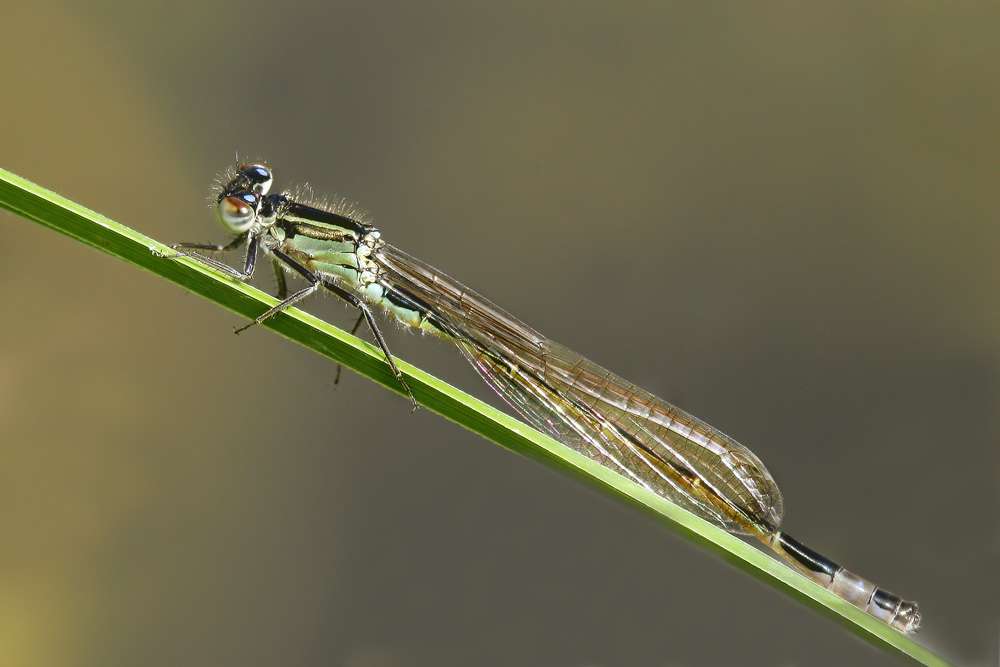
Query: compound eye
(259, 177)
(237, 213)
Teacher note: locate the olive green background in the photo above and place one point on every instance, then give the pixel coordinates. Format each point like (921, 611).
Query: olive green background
(782, 217)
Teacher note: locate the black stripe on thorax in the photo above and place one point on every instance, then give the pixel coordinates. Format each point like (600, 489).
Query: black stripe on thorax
(292, 211)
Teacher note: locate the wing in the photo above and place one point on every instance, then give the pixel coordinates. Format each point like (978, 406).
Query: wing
(594, 412)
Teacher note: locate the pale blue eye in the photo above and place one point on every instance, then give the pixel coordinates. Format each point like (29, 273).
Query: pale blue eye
(237, 212)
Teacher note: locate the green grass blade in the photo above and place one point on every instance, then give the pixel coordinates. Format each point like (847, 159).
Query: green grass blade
(49, 209)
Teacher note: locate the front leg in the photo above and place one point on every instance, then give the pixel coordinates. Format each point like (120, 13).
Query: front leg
(249, 262)
(229, 247)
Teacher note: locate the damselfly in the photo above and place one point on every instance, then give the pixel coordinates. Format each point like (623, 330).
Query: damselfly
(609, 420)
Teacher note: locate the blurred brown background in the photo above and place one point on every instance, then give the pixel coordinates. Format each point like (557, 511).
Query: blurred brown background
(782, 217)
